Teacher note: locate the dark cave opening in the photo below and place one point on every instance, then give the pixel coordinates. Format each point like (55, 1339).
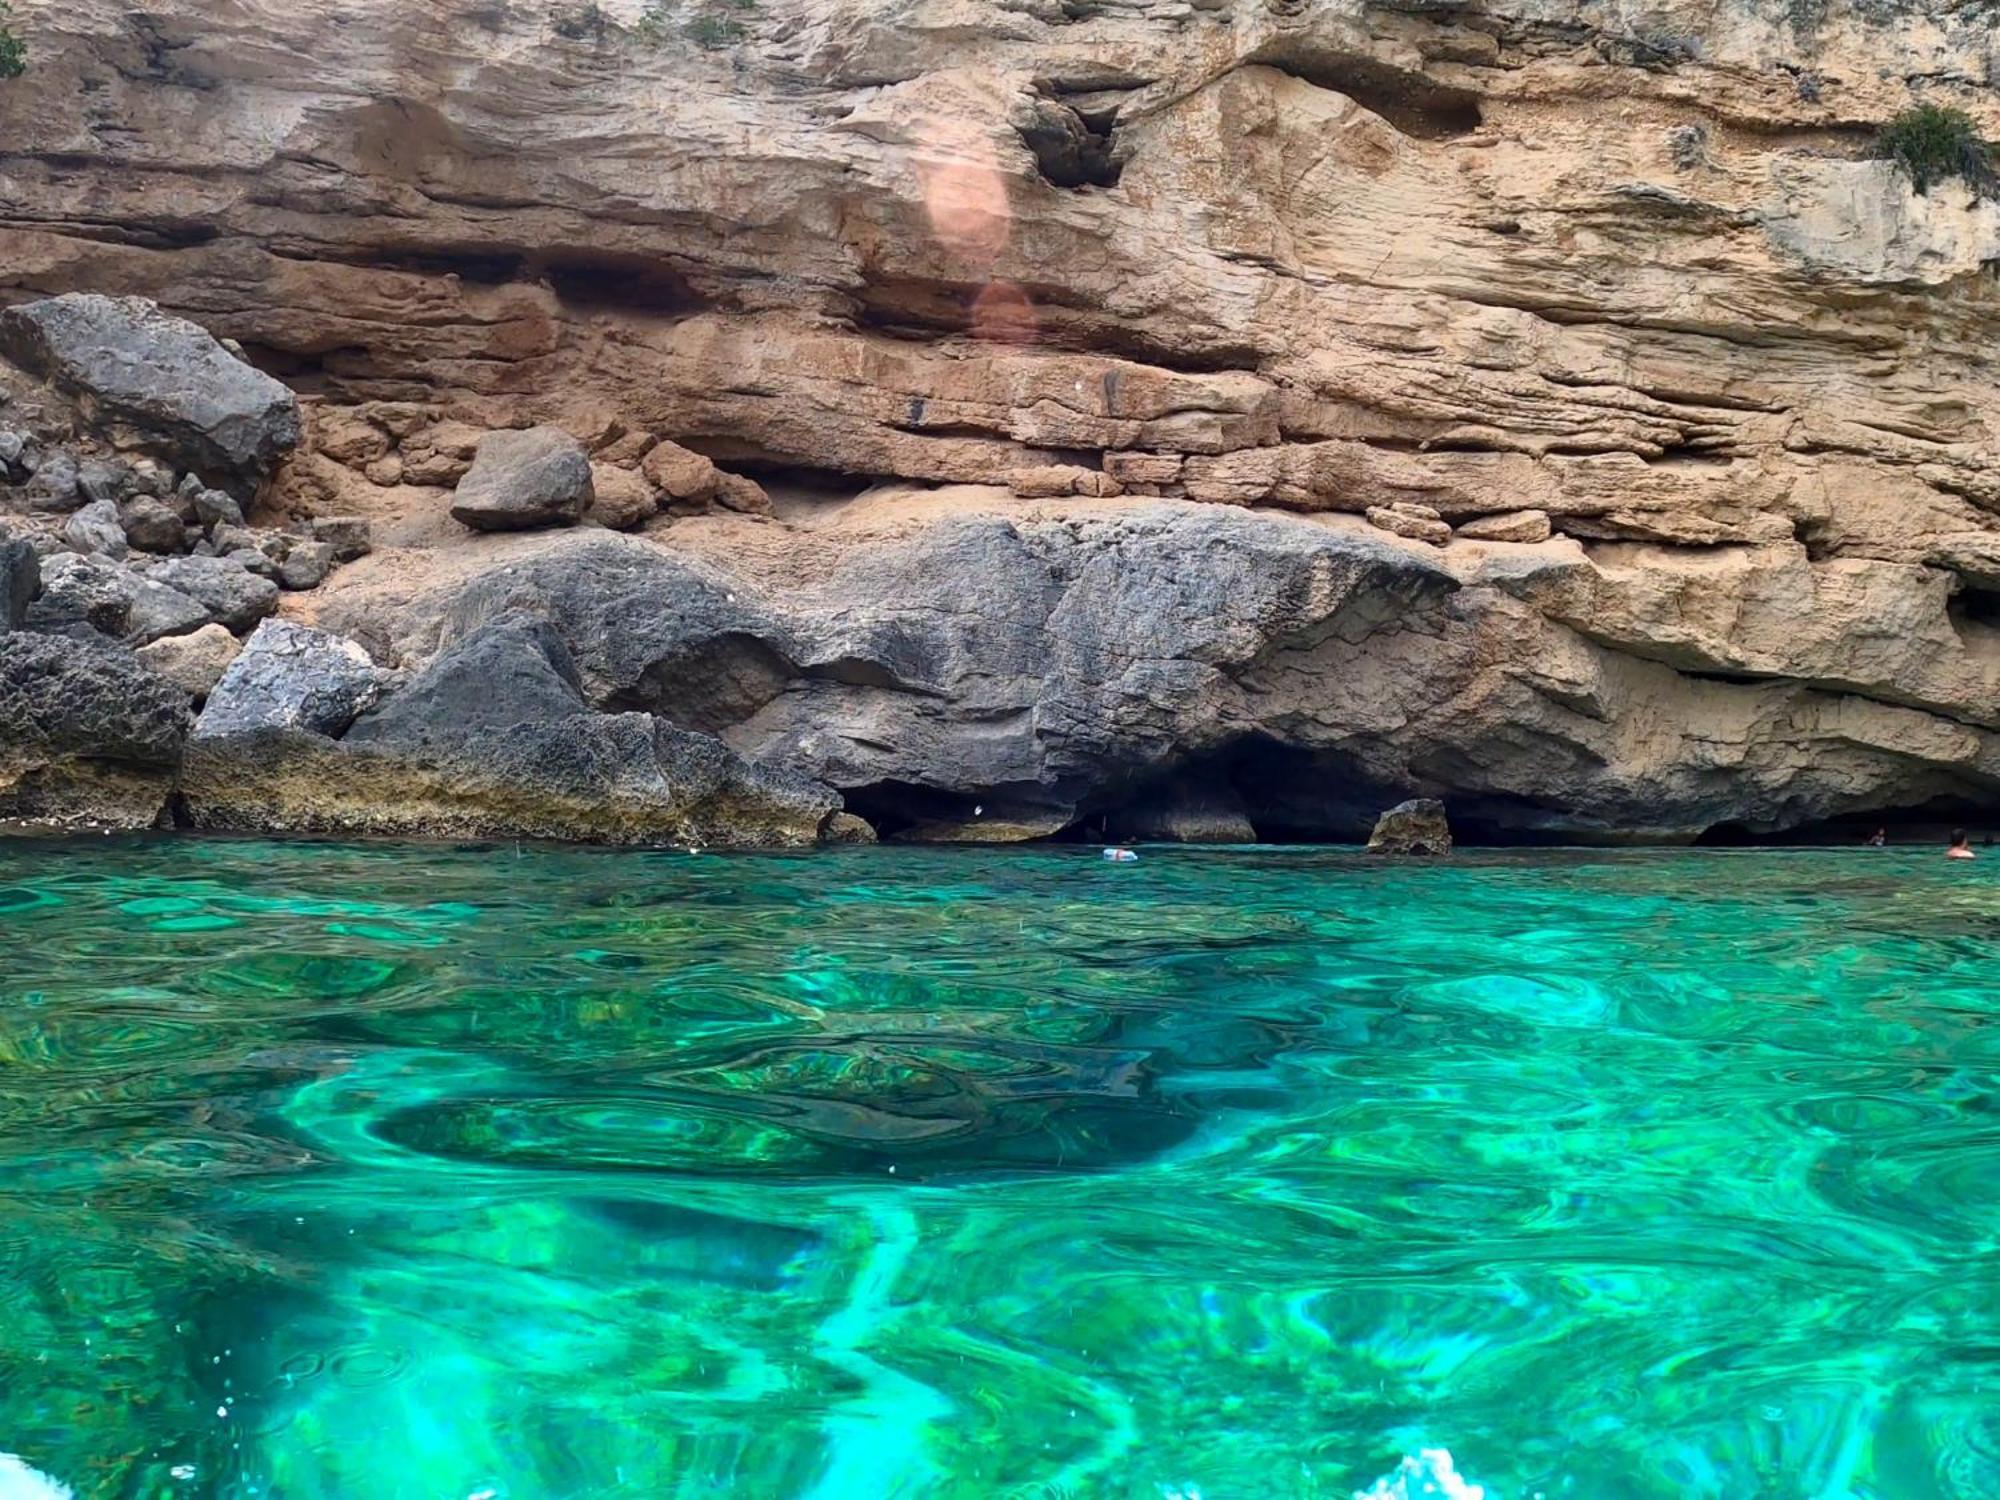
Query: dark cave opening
(1073, 148)
(1926, 823)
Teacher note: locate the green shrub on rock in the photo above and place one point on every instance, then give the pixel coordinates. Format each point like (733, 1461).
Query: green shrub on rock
(1933, 142)
(13, 51)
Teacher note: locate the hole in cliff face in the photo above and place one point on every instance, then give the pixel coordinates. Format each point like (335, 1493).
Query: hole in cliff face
(1974, 609)
(781, 477)
(1416, 105)
(1073, 148)
(612, 281)
(897, 808)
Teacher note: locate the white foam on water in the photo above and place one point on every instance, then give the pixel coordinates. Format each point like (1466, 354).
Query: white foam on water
(19, 1482)
(1431, 1475)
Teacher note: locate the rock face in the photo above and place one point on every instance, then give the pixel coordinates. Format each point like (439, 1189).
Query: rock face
(1017, 385)
(163, 375)
(493, 738)
(1414, 827)
(87, 735)
(540, 477)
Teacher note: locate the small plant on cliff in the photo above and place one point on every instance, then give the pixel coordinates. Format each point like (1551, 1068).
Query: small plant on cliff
(13, 51)
(716, 25)
(1932, 142)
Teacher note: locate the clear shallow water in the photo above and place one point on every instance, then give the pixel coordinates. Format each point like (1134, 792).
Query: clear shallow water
(334, 1172)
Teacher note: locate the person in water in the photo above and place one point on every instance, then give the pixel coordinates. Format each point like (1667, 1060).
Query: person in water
(1961, 845)
(1878, 838)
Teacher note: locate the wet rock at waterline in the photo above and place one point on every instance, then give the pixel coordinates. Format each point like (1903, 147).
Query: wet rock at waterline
(493, 738)
(87, 734)
(1414, 827)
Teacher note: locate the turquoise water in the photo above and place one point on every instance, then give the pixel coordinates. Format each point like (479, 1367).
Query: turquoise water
(384, 1173)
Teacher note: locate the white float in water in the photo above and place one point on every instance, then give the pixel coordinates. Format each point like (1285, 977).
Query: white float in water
(1431, 1475)
(19, 1482)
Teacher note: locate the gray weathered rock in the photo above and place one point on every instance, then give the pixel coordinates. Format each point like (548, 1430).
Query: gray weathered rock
(194, 662)
(158, 611)
(536, 477)
(163, 375)
(103, 479)
(214, 507)
(1414, 827)
(87, 735)
(229, 591)
(291, 677)
(95, 530)
(99, 594)
(20, 581)
(494, 737)
(347, 535)
(54, 485)
(306, 564)
(153, 526)
(88, 591)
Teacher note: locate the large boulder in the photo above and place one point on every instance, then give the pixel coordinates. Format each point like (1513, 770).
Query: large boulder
(291, 677)
(495, 738)
(536, 477)
(87, 734)
(1414, 827)
(129, 363)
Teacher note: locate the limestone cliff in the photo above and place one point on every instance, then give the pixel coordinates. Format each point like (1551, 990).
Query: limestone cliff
(1094, 384)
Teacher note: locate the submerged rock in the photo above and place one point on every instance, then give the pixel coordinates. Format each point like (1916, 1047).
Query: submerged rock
(1414, 827)
(537, 477)
(87, 734)
(163, 375)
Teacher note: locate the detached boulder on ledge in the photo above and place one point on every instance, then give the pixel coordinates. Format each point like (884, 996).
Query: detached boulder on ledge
(1414, 827)
(131, 363)
(537, 477)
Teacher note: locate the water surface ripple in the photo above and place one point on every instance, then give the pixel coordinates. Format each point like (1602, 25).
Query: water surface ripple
(421, 1174)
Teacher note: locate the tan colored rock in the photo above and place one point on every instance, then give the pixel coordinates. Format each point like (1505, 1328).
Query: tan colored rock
(194, 662)
(1144, 468)
(386, 472)
(739, 492)
(681, 474)
(1507, 526)
(1418, 528)
(623, 498)
(346, 437)
(1047, 481)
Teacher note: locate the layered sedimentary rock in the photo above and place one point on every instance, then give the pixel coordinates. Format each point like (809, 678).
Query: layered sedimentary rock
(1001, 395)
